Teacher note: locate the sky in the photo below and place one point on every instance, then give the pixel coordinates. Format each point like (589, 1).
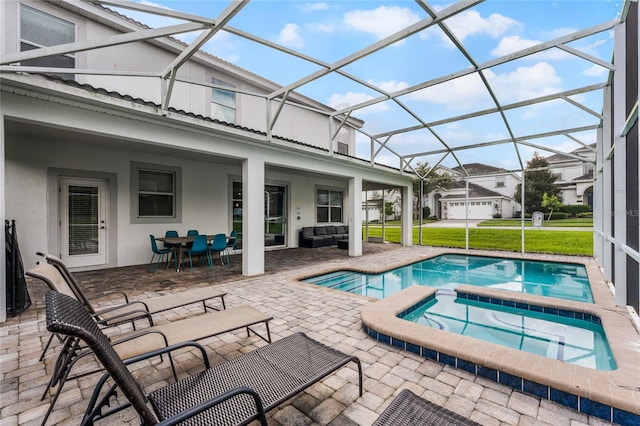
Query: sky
(331, 31)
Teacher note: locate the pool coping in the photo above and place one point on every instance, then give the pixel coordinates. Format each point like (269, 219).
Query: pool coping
(611, 395)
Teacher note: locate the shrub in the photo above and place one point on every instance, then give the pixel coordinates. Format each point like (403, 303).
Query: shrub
(497, 216)
(426, 212)
(586, 215)
(574, 209)
(558, 216)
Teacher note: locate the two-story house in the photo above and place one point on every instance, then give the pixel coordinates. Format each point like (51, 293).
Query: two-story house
(575, 176)
(490, 193)
(113, 131)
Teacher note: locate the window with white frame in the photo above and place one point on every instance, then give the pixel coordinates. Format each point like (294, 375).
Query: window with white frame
(223, 102)
(155, 193)
(39, 29)
(328, 206)
(501, 181)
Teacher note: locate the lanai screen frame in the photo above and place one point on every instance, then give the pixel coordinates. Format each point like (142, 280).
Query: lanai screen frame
(337, 119)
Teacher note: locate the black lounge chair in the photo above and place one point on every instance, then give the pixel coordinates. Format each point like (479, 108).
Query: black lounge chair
(237, 391)
(408, 409)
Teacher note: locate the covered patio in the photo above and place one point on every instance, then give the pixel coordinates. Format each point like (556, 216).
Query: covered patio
(329, 316)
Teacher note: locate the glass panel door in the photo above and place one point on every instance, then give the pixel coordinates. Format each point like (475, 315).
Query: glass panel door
(275, 214)
(275, 219)
(83, 227)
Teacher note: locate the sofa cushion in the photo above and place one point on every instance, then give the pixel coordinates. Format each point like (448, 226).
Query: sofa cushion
(319, 230)
(307, 232)
(340, 229)
(330, 229)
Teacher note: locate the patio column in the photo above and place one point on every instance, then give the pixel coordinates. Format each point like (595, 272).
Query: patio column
(355, 216)
(407, 216)
(252, 216)
(3, 264)
(619, 168)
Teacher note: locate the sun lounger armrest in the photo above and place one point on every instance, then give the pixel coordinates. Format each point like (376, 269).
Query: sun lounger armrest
(124, 317)
(187, 414)
(161, 351)
(111, 293)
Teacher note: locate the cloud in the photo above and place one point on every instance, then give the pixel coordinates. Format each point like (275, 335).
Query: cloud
(461, 93)
(344, 100)
(595, 70)
(314, 7)
(528, 82)
(381, 22)
(511, 44)
(469, 92)
(391, 85)
(320, 27)
(471, 23)
(290, 36)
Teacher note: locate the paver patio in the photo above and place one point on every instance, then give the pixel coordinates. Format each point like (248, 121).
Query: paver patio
(329, 316)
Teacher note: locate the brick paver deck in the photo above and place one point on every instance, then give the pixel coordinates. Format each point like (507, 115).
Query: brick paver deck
(329, 316)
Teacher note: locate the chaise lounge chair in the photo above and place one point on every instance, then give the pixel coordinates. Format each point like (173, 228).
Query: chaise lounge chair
(131, 344)
(237, 391)
(58, 278)
(408, 409)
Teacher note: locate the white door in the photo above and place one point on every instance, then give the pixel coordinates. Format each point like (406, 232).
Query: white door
(83, 222)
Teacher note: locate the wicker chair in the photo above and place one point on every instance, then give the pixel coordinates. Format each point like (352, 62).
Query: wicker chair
(237, 391)
(408, 409)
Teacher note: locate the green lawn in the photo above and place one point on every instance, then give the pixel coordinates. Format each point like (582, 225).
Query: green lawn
(570, 223)
(536, 241)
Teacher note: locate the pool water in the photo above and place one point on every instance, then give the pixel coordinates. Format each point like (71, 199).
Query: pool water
(571, 340)
(561, 280)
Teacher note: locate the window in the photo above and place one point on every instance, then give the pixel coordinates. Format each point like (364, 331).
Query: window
(223, 102)
(39, 29)
(500, 181)
(588, 168)
(155, 196)
(328, 206)
(343, 148)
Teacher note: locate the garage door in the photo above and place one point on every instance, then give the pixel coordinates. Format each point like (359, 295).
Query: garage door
(477, 210)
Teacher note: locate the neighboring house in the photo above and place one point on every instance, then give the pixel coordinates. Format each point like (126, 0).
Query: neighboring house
(490, 195)
(575, 177)
(95, 163)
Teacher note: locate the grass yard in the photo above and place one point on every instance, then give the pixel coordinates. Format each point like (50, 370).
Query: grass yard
(536, 241)
(570, 223)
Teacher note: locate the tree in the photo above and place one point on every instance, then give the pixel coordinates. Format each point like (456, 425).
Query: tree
(536, 183)
(433, 182)
(551, 202)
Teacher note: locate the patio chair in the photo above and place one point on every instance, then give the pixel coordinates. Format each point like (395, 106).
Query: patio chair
(219, 245)
(236, 391)
(58, 278)
(408, 409)
(160, 253)
(200, 247)
(232, 243)
(131, 344)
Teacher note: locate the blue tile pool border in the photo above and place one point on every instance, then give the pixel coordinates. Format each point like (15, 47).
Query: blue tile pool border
(575, 402)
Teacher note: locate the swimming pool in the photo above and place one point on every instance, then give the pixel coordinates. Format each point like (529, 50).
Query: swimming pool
(553, 279)
(568, 339)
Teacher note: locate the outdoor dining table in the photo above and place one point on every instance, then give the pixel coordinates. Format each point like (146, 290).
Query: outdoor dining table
(181, 243)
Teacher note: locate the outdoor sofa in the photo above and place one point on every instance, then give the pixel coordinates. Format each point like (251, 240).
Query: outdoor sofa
(322, 236)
